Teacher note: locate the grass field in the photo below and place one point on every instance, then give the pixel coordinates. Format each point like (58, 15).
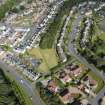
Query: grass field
(47, 56)
(100, 82)
(102, 36)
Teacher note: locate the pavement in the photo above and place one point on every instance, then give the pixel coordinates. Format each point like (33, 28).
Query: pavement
(32, 94)
(72, 51)
(85, 62)
(93, 69)
(99, 96)
(27, 87)
(34, 30)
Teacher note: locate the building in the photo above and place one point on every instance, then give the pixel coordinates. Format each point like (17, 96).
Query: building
(74, 70)
(76, 103)
(52, 87)
(64, 77)
(89, 81)
(65, 96)
(103, 101)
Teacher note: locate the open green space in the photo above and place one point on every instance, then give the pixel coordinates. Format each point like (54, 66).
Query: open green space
(47, 56)
(100, 82)
(5, 47)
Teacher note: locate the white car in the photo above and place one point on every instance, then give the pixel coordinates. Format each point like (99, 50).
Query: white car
(22, 81)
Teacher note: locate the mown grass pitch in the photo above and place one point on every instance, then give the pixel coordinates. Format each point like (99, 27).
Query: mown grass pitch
(47, 56)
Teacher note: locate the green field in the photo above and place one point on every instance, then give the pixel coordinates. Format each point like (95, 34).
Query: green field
(47, 56)
(100, 82)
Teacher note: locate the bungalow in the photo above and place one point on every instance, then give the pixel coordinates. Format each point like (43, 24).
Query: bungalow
(52, 87)
(103, 101)
(81, 86)
(65, 96)
(74, 70)
(90, 81)
(76, 103)
(64, 77)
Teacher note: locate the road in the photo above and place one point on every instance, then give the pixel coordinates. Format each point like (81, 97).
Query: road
(93, 69)
(12, 72)
(24, 84)
(71, 49)
(34, 30)
(85, 62)
(99, 96)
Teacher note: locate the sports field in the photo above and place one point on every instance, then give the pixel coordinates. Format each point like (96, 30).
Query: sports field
(47, 56)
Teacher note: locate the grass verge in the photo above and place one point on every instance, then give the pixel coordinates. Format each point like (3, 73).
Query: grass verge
(100, 82)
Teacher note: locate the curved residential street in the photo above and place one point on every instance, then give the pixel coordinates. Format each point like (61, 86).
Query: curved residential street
(99, 96)
(32, 39)
(27, 87)
(71, 49)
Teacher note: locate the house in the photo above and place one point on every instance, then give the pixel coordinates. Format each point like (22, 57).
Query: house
(81, 86)
(88, 13)
(74, 70)
(76, 102)
(52, 87)
(64, 77)
(65, 96)
(90, 81)
(103, 101)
